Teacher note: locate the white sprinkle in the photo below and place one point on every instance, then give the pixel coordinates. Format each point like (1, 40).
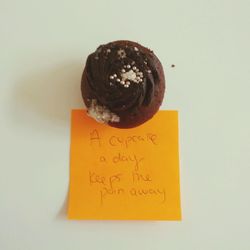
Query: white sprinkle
(130, 75)
(122, 82)
(133, 63)
(108, 50)
(110, 83)
(140, 80)
(145, 62)
(121, 53)
(149, 71)
(115, 75)
(118, 80)
(126, 86)
(134, 68)
(111, 77)
(128, 83)
(135, 48)
(137, 70)
(128, 66)
(123, 70)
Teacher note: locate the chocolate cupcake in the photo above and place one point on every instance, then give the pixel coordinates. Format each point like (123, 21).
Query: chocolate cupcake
(122, 84)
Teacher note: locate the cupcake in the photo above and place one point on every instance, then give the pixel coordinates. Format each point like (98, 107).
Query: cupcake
(122, 84)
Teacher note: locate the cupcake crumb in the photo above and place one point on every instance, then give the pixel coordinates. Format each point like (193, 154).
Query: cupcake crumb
(101, 113)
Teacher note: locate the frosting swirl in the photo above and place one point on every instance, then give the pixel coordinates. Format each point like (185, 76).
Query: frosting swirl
(122, 77)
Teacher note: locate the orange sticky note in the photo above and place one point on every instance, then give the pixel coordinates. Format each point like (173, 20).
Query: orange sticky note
(124, 174)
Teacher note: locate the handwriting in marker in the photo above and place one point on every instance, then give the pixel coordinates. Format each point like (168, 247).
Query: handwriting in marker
(95, 178)
(104, 192)
(114, 178)
(103, 159)
(121, 158)
(148, 192)
(118, 141)
(140, 177)
(94, 137)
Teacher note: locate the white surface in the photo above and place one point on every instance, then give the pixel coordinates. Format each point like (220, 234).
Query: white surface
(43, 49)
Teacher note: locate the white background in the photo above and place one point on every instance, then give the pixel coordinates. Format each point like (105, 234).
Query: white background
(43, 47)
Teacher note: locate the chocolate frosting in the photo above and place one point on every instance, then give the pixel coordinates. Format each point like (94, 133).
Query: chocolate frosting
(106, 65)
